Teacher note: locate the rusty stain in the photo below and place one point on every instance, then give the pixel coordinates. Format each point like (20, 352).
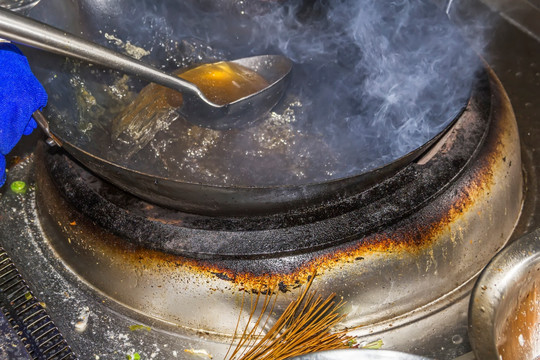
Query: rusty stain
(413, 237)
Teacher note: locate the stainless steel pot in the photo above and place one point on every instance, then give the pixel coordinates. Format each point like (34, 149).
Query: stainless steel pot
(359, 354)
(504, 314)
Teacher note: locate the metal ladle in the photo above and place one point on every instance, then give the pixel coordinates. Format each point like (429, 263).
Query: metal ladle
(196, 108)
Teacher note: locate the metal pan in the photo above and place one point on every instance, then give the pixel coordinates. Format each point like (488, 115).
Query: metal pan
(234, 200)
(68, 125)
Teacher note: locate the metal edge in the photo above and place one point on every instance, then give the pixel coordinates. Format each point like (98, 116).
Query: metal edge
(496, 280)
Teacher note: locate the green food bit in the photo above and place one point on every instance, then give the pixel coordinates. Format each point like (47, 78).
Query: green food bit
(28, 296)
(139, 327)
(373, 345)
(18, 187)
(352, 342)
(135, 356)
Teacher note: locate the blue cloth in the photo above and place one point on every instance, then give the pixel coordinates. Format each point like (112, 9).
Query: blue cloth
(20, 95)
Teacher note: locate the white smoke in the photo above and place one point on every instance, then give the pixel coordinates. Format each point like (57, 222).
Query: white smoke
(376, 79)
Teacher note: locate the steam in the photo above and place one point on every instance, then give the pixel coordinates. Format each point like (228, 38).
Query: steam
(387, 74)
(374, 79)
(377, 78)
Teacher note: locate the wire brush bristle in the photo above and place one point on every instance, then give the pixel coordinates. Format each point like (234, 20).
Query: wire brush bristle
(304, 327)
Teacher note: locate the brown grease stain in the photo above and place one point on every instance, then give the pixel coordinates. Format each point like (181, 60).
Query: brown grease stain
(410, 236)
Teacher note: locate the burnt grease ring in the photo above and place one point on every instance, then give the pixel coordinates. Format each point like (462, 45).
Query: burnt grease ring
(304, 233)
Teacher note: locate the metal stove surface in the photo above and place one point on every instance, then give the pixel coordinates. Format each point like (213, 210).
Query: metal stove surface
(100, 329)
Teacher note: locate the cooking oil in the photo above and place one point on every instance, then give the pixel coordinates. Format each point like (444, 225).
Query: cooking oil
(224, 82)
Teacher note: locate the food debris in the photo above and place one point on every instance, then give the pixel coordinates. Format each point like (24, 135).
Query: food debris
(82, 323)
(28, 296)
(135, 356)
(73, 223)
(200, 353)
(18, 187)
(374, 345)
(132, 50)
(139, 327)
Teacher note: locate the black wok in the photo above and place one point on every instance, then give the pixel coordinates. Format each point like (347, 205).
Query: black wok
(88, 141)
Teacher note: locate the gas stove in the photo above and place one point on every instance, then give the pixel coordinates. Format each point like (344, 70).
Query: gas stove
(119, 275)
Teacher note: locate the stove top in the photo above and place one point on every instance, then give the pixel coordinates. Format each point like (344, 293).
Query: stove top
(98, 327)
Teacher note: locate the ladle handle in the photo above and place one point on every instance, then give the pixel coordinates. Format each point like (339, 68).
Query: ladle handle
(30, 32)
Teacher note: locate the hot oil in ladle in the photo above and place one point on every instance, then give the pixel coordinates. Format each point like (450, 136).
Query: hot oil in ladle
(225, 82)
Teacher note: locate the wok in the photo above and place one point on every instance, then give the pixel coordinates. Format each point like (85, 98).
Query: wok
(70, 128)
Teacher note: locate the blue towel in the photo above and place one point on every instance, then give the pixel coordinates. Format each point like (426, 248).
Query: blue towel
(20, 95)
